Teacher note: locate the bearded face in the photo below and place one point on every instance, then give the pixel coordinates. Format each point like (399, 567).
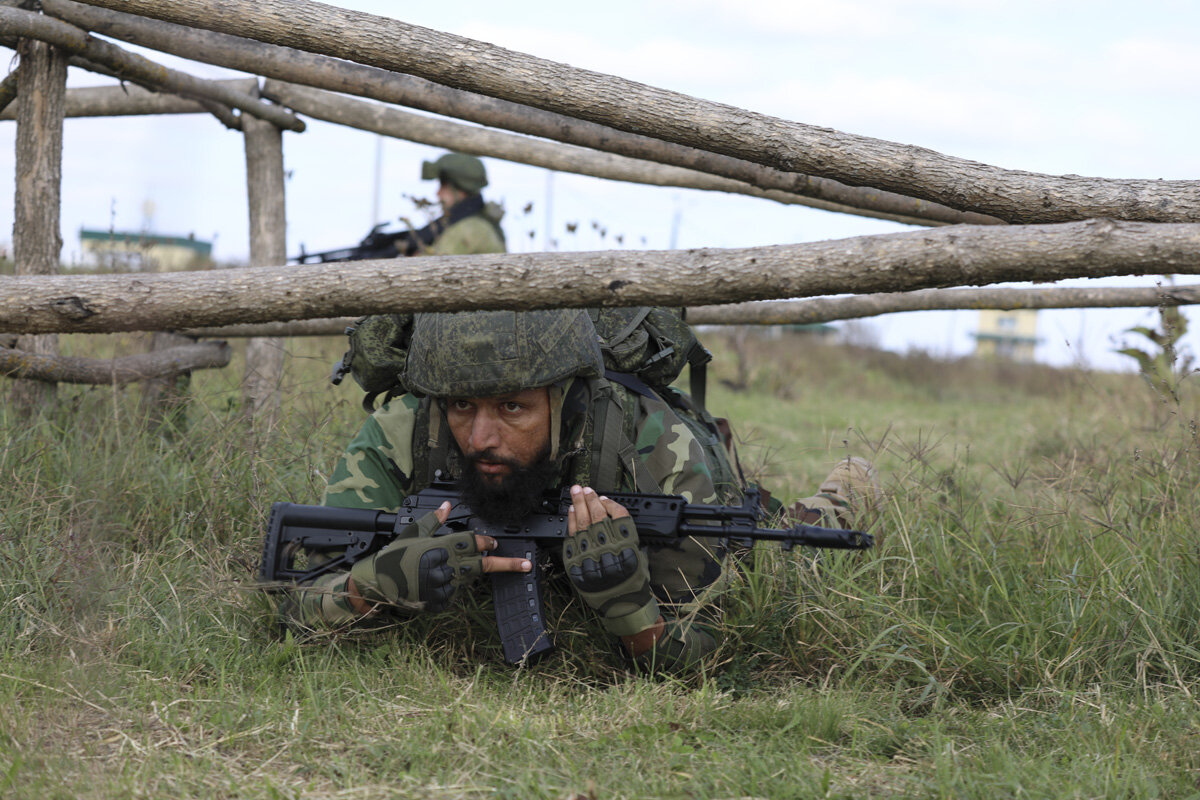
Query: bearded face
(510, 496)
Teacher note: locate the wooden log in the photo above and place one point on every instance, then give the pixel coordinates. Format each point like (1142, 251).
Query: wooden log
(121, 370)
(831, 309)
(268, 245)
(826, 309)
(8, 92)
(122, 101)
(16, 22)
(223, 113)
(1012, 195)
(951, 256)
(288, 64)
(37, 235)
(389, 121)
(165, 394)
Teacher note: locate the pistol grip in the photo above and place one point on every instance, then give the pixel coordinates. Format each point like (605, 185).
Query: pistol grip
(517, 598)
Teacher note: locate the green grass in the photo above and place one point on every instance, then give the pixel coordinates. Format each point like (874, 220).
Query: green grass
(1027, 626)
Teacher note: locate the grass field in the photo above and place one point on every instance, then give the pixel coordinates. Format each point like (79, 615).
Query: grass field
(1027, 627)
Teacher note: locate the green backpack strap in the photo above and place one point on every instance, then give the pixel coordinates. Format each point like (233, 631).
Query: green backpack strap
(614, 452)
(431, 451)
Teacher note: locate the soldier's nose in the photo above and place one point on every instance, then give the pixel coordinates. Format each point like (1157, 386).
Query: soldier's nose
(484, 434)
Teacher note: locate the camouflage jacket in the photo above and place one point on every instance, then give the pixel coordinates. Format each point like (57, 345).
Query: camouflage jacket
(473, 235)
(376, 472)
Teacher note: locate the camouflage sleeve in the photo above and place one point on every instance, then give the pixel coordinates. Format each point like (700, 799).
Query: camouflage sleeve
(376, 469)
(374, 472)
(688, 575)
(669, 450)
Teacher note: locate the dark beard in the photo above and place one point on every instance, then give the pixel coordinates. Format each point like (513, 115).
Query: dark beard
(515, 496)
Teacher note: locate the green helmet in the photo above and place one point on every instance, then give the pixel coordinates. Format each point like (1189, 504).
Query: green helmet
(460, 170)
(485, 353)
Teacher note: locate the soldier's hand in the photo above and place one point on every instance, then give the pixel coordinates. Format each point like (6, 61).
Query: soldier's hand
(606, 565)
(587, 507)
(421, 571)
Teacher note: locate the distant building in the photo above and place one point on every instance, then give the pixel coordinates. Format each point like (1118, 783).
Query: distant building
(119, 251)
(1007, 334)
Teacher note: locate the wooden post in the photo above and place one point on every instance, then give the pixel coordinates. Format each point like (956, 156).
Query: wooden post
(268, 246)
(37, 240)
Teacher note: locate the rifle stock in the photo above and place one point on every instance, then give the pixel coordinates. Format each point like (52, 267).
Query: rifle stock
(351, 534)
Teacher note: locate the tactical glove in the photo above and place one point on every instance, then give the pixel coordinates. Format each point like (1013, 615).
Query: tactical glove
(419, 571)
(608, 569)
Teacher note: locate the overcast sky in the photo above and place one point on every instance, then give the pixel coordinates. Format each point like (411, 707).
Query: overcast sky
(1092, 88)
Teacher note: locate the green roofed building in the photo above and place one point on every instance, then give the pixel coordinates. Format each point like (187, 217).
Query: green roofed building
(1010, 335)
(122, 251)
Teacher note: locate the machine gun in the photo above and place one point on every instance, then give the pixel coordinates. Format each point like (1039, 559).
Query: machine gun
(350, 534)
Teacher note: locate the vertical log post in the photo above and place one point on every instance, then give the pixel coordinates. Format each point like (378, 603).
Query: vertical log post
(268, 246)
(37, 239)
(165, 397)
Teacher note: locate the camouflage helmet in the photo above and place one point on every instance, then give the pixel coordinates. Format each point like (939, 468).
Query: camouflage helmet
(485, 353)
(460, 170)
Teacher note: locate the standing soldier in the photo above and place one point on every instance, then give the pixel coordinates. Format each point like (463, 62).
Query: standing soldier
(470, 225)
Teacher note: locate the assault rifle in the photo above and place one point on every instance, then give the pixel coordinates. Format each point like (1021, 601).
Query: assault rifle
(377, 244)
(389, 244)
(349, 534)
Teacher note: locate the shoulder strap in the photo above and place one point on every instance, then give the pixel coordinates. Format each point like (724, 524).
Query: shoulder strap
(431, 451)
(612, 453)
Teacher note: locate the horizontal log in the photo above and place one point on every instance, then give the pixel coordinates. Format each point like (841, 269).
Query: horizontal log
(17, 22)
(121, 370)
(389, 121)
(474, 66)
(951, 256)
(123, 101)
(335, 326)
(297, 66)
(831, 309)
(824, 309)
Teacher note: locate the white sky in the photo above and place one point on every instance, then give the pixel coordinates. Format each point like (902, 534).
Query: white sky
(1058, 86)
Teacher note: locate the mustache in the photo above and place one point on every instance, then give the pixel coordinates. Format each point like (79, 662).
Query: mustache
(492, 457)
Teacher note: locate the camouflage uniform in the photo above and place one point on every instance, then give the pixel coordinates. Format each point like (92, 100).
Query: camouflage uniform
(377, 472)
(474, 235)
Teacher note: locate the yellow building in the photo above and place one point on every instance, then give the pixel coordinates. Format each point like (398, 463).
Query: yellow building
(1007, 334)
(115, 251)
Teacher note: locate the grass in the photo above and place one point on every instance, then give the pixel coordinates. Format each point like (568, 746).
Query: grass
(1027, 626)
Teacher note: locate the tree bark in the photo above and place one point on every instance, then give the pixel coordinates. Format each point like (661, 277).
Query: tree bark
(268, 245)
(287, 64)
(1011, 195)
(37, 238)
(957, 255)
(831, 309)
(472, 139)
(126, 369)
(121, 101)
(14, 21)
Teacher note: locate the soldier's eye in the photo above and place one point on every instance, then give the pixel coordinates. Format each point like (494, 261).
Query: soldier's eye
(512, 406)
(460, 405)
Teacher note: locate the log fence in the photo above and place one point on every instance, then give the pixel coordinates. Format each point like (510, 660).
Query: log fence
(983, 224)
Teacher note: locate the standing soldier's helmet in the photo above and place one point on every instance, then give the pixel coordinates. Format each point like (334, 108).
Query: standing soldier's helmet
(463, 172)
(485, 353)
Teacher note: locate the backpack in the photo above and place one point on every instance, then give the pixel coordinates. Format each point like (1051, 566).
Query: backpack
(645, 349)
